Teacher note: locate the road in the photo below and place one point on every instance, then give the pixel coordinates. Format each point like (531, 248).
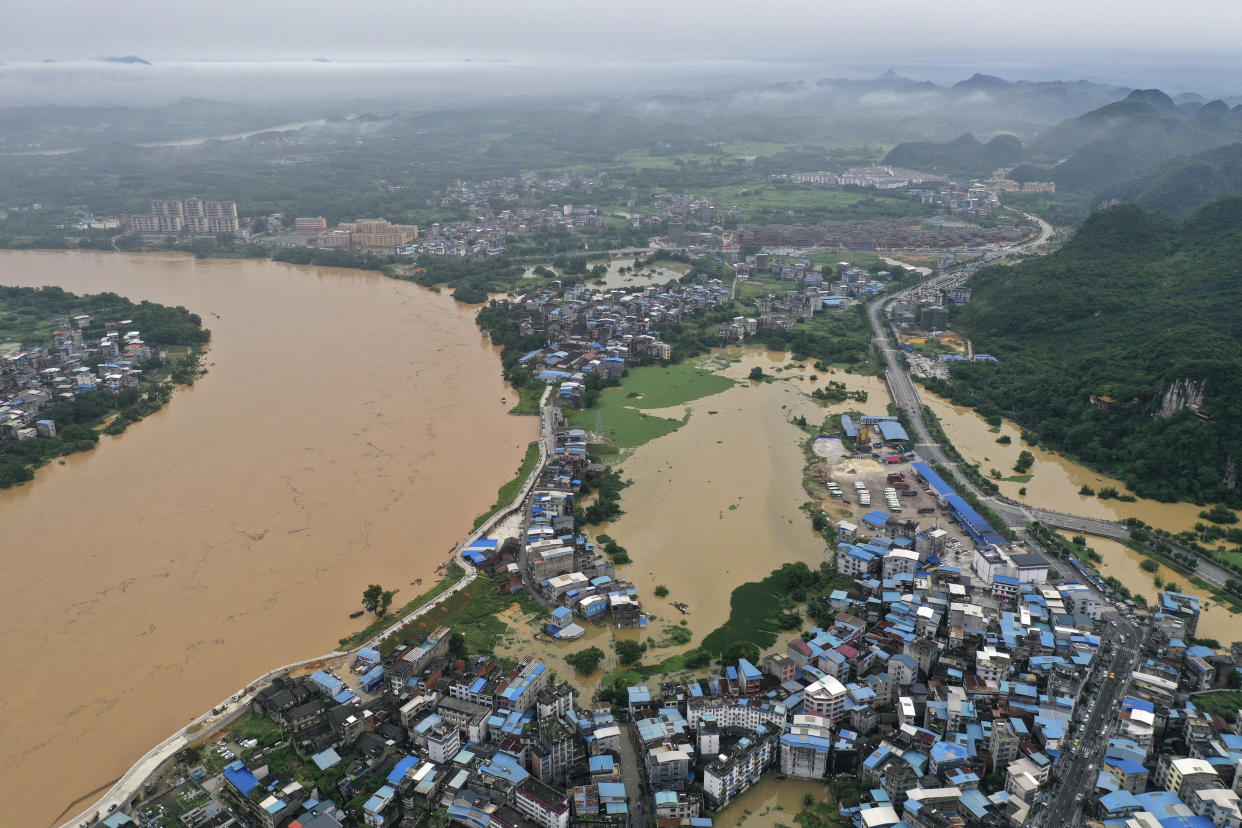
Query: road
(906, 397)
(1080, 758)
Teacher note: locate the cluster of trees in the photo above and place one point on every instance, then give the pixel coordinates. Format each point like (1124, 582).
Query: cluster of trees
(1025, 461)
(27, 314)
(813, 587)
(1092, 320)
(613, 550)
(376, 599)
(586, 661)
(607, 485)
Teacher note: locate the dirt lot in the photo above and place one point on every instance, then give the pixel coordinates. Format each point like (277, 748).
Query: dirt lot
(874, 476)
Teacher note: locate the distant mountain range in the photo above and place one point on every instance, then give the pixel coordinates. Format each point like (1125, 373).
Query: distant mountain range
(1165, 154)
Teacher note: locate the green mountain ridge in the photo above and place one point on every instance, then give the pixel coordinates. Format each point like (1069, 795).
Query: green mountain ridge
(964, 155)
(1091, 338)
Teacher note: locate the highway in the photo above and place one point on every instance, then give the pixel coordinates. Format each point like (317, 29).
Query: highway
(906, 397)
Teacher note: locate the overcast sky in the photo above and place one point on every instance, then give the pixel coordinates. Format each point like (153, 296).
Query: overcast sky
(821, 30)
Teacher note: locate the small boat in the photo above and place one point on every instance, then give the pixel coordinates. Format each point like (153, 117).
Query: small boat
(503, 400)
(356, 613)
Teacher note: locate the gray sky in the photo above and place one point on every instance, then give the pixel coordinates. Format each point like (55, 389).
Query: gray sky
(896, 31)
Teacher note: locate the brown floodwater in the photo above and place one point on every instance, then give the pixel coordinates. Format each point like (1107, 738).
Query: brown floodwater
(348, 431)
(771, 803)
(1055, 481)
(1123, 563)
(716, 503)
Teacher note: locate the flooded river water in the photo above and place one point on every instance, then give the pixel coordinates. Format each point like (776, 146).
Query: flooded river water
(348, 432)
(716, 503)
(1055, 481)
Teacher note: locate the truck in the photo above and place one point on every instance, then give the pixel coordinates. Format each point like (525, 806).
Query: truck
(896, 476)
(927, 510)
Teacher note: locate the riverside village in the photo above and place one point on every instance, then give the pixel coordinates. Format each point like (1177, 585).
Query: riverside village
(946, 676)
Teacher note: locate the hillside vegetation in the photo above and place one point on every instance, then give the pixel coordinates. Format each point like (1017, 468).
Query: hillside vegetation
(1133, 305)
(965, 155)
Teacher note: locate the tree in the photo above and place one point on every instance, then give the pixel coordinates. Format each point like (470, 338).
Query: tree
(586, 661)
(1025, 461)
(756, 374)
(385, 602)
(697, 658)
(661, 591)
(628, 652)
(1149, 565)
(372, 596)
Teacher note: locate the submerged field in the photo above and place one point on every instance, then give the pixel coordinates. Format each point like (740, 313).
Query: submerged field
(620, 415)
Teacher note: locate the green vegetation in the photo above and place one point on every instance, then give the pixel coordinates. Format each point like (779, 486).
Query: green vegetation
(383, 622)
(628, 652)
(1090, 321)
(471, 611)
(965, 155)
(624, 422)
(508, 491)
(586, 661)
(759, 610)
(661, 591)
(376, 599)
(1223, 703)
(822, 812)
(607, 486)
(27, 316)
(1148, 565)
(1219, 514)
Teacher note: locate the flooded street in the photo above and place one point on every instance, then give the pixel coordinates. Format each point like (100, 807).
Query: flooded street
(348, 431)
(771, 803)
(1122, 562)
(1055, 481)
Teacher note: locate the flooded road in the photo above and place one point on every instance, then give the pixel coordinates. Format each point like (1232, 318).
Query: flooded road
(348, 431)
(771, 803)
(1055, 481)
(1122, 563)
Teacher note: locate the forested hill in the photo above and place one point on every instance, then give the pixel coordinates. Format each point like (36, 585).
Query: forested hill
(965, 155)
(1105, 345)
(1116, 142)
(1180, 186)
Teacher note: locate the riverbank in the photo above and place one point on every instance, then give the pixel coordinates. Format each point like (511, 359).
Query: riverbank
(69, 376)
(266, 532)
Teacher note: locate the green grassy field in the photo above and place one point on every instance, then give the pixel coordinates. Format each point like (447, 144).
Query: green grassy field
(1223, 703)
(655, 386)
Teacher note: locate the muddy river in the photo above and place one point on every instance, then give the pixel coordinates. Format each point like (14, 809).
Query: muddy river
(348, 432)
(1054, 481)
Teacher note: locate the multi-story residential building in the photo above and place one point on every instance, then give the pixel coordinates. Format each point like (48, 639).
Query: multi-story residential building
(826, 698)
(805, 747)
(544, 805)
(732, 773)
